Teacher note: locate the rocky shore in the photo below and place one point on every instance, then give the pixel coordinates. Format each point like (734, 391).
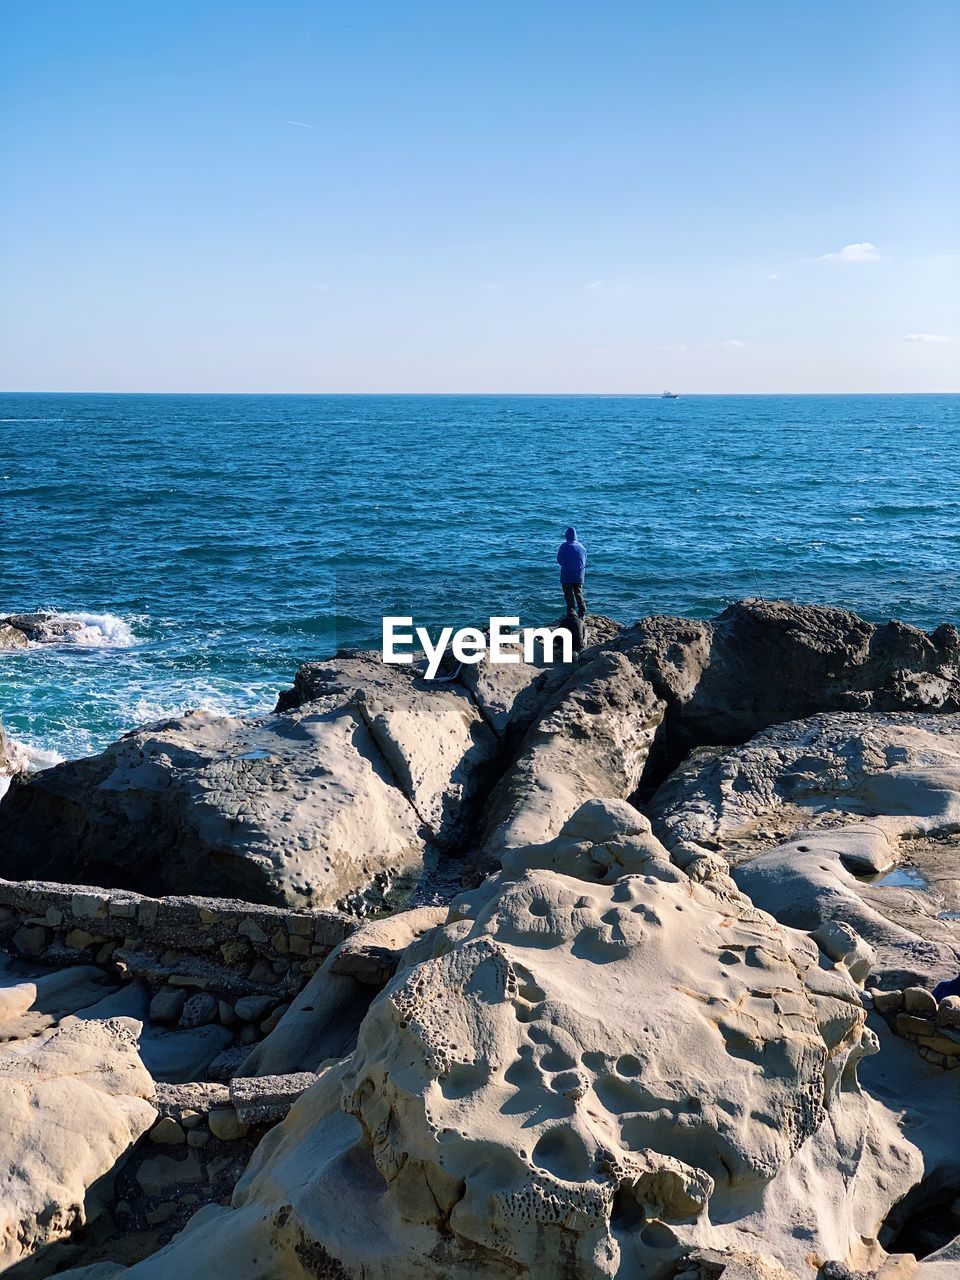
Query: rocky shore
(618, 969)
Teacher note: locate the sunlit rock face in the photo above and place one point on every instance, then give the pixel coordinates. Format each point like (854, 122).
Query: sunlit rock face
(581, 1075)
(74, 1097)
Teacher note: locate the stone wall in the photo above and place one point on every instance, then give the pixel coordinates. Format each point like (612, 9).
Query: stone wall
(228, 948)
(933, 1027)
(193, 1155)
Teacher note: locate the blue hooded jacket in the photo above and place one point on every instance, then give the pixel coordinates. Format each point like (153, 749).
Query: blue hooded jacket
(572, 558)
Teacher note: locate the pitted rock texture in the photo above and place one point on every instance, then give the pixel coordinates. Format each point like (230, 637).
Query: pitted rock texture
(324, 1019)
(576, 1078)
(813, 812)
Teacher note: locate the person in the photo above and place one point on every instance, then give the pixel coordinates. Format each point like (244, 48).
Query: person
(572, 559)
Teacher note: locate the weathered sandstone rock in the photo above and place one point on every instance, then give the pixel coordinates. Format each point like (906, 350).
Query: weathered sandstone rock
(431, 735)
(805, 809)
(511, 696)
(580, 1078)
(74, 1099)
(592, 741)
(338, 798)
(373, 772)
(324, 1019)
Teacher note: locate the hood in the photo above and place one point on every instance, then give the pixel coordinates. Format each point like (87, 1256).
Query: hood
(571, 534)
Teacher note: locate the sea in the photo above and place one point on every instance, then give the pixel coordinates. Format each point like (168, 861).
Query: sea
(210, 544)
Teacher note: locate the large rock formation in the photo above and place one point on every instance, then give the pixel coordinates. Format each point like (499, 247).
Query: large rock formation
(763, 662)
(591, 741)
(607, 1059)
(512, 696)
(432, 736)
(372, 773)
(74, 1098)
(580, 1078)
(345, 796)
(811, 813)
(297, 808)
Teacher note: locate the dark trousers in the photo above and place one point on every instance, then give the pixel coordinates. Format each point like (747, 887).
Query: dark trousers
(573, 594)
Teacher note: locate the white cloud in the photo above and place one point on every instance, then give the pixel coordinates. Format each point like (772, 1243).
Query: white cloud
(863, 251)
(614, 287)
(926, 337)
(674, 346)
(300, 124)
(773, 276)
(732, 343)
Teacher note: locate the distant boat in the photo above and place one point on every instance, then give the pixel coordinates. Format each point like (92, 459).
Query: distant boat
(670, 395)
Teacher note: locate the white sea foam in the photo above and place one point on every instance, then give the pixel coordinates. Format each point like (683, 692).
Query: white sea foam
(92, 630)
(197, 696)
(27, 758)
(100, 631)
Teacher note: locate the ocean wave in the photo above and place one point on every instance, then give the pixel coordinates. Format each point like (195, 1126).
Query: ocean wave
(27, 758)
(101, 630)
(77, 628)
(197, 696)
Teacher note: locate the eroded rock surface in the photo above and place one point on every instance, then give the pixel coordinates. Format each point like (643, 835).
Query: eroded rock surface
(512, 696)
(849, 816)
(592, 741)
(344, 798)
(763, 662)
(74, 1097)
(372, 773)
(606, 1060)
(324, 1020)
(577, 1078)
(297, 809)
(432, 736)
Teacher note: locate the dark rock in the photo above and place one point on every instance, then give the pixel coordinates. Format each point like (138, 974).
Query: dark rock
(38, 628)
(199, 1010)
(167, 1005)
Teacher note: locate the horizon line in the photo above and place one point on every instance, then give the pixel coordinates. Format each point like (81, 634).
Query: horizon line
(543, 395)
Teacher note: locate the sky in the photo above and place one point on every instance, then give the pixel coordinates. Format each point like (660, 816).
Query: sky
(521, 196)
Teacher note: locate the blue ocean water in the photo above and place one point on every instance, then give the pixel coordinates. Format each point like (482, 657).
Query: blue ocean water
(214, 542)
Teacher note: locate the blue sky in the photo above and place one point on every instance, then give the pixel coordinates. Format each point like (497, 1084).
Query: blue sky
(523, 196)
